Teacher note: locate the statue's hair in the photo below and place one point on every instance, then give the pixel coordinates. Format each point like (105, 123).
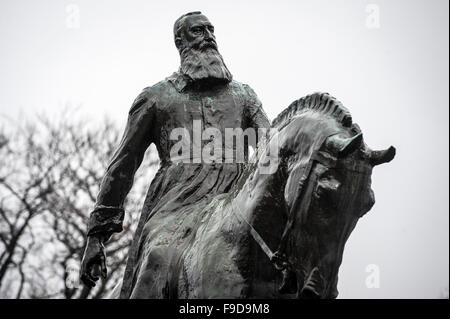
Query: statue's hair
(179, 23)
(320, 102)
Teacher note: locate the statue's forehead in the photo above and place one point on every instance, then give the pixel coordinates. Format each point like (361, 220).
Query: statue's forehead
(198, 19)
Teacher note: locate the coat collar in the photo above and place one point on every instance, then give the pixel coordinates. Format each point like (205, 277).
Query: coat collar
(180, 81)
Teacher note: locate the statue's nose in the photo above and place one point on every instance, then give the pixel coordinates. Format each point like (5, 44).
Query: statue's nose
(208, 35)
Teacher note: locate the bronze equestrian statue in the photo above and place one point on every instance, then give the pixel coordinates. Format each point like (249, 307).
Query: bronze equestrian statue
(233, 229)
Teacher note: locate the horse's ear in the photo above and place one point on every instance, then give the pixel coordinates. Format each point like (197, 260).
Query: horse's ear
(380, 157)
(344, 146)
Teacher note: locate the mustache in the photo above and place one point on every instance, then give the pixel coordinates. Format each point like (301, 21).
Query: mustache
(211, 43)
(203, 44)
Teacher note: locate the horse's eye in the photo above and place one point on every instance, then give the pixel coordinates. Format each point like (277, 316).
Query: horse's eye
(329, 183)
(327, 189)
(327, 196)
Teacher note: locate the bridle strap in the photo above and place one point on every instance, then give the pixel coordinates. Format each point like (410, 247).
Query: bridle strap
(281, 251)
(279, 261)
(315, 158)
(256, 236)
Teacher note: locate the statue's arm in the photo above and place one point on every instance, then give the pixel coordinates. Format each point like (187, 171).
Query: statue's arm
(254, 112)
(108, 214)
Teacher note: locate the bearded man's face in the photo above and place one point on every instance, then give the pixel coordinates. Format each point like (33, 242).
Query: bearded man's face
(200, 58)
(198, 32)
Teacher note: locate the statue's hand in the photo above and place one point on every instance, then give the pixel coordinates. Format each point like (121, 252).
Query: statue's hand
(93, 262)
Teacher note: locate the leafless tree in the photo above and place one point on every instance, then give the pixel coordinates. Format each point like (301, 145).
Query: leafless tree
(24, 191)
(50, 173)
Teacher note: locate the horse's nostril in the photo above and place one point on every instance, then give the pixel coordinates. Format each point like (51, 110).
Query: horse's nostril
(334, 294)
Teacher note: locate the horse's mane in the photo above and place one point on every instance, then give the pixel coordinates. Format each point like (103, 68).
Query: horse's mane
(319, 102)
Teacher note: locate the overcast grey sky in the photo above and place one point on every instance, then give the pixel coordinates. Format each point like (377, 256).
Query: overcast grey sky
(387, 61)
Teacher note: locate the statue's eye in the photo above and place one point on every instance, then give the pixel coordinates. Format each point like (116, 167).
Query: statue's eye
(196, 30)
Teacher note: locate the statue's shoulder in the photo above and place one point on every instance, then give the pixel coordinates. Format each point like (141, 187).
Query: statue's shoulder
(243, 89)
(238, 85)
(150, 96)
(158, 90)
(247, 95)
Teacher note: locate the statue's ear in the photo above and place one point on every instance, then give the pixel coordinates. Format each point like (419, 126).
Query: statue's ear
(178, 42)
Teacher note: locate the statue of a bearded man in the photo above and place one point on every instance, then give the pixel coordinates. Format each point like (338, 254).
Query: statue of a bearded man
(202, 91)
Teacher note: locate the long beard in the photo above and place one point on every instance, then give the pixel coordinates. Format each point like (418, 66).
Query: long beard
(204, 64)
